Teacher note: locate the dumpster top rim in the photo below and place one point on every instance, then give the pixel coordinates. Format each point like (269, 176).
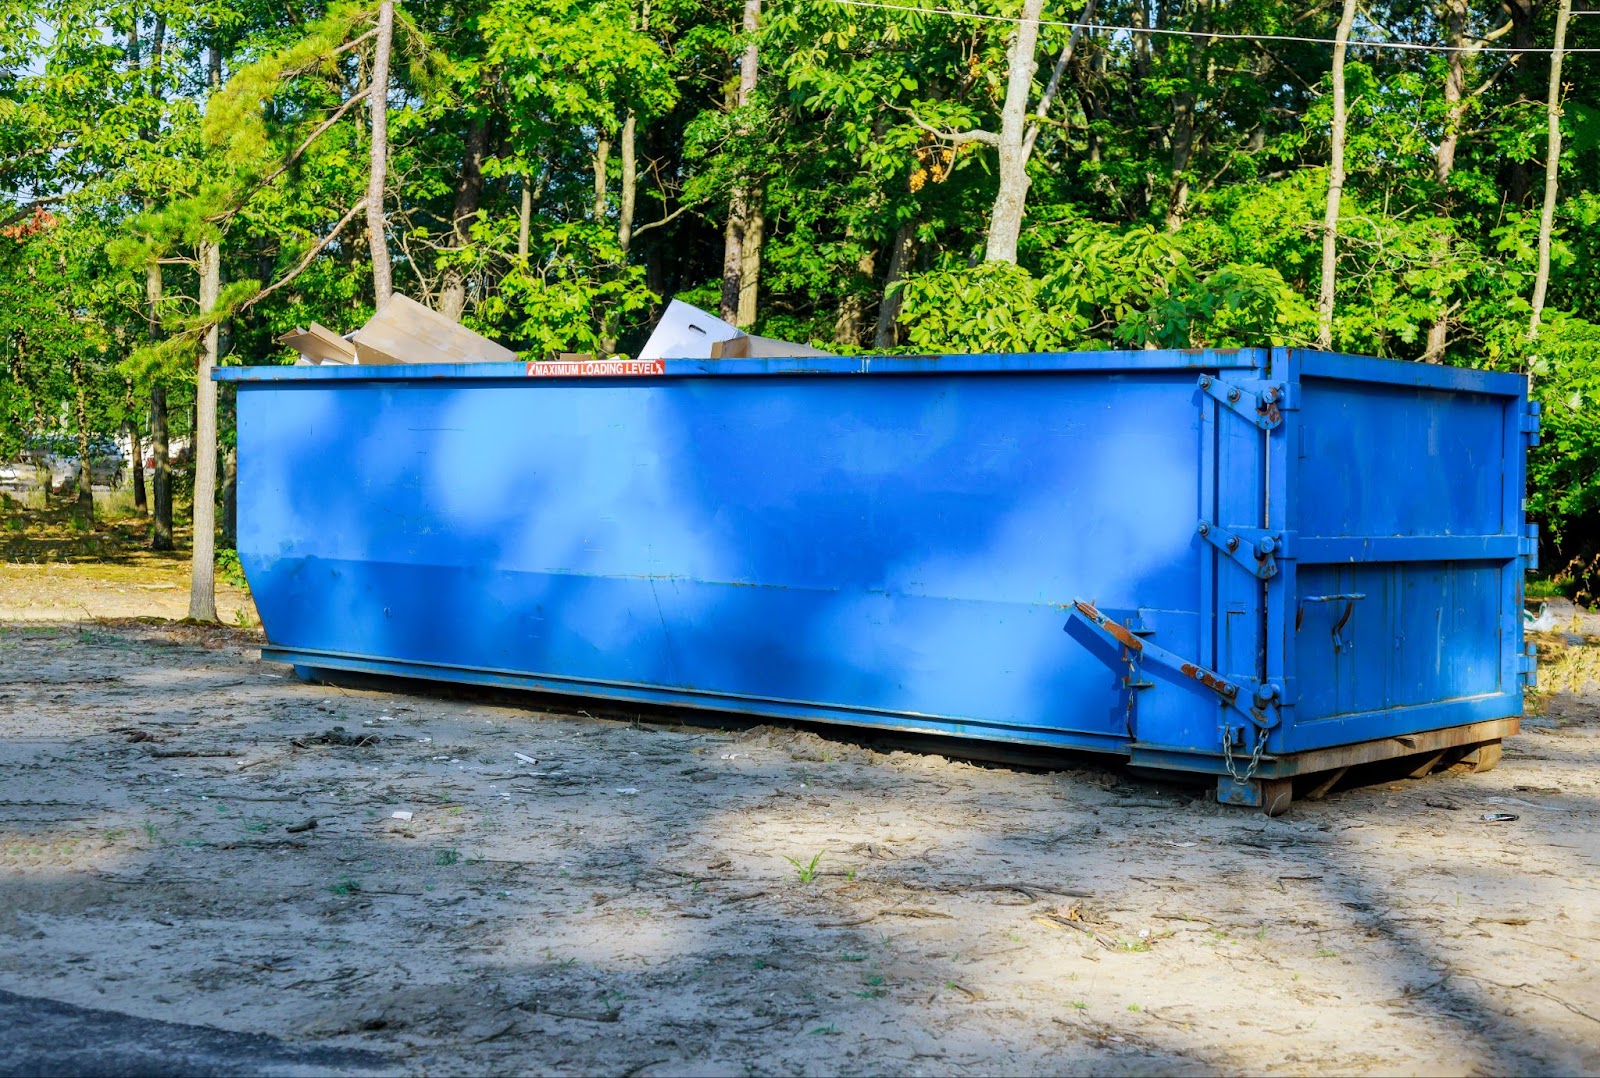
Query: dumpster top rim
(1311, 363)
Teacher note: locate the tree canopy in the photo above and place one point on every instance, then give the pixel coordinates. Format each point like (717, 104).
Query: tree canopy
(834, 171)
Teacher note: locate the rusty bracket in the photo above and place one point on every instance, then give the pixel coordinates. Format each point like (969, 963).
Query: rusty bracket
(1256, 700)
(1252, 548)
(1263, 407)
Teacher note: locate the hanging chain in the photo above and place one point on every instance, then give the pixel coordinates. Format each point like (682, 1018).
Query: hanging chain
(1255, 755)
(1133, 672)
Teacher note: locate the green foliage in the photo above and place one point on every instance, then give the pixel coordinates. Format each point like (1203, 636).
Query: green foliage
(1175, 199)
(1564, 469)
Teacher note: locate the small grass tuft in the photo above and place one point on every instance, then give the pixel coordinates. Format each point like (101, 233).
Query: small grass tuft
(806, 870)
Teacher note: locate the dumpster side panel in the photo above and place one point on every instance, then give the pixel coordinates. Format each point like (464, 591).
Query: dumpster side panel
(1405, 603)
(886, 549)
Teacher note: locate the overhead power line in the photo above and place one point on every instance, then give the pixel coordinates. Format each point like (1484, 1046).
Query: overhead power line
(1412, 46)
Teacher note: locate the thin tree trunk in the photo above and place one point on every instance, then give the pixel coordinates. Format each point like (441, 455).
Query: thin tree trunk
(1183, 125)
(524, 220)
(230, 498)
(161, 480)
(136, 451)
(628, 199)
(739, 209)
(1455, 85)
(1519, 182)
(905, 243)
(469, 191)
(755, 223)
(377, 179)
(160, 448)
(1142, 63)
(1010, 201)
(1455, 88)
(1330, 221)
(81, 408)
(602, 155)
(733, 258)
(202, 572)
(141, 503)
(1552, 168)
(851, 321)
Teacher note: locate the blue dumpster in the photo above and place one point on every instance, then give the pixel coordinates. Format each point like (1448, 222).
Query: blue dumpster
(1268, 563)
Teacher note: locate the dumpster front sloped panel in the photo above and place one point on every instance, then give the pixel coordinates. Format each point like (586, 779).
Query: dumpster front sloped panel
(900, 549)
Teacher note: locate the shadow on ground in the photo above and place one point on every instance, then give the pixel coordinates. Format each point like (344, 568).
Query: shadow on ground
(640, 898)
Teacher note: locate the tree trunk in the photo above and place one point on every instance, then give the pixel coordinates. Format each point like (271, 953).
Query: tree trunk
(733, 258)
(1519, 180)
(141, 503)
(1552, 167)
(628, 199)
(905, 244)
(1010, 201)
(81, 408)
(602, 155)
(469, 190)
(524, 220)
(1136, 94)
(739, 208)
(1455, 86)
(377, 178)
(1330, 221)
(755, 223)
(851, 321)
(1183, 128)
(230, 498)
(202, 572)
(161, 481)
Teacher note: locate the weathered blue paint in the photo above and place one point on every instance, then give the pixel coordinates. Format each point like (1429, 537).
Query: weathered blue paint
(898, 542)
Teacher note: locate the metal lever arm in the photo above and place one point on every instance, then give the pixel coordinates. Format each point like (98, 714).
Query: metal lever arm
(1256, 701)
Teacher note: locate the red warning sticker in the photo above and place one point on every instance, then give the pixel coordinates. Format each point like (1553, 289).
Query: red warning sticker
(596, 368)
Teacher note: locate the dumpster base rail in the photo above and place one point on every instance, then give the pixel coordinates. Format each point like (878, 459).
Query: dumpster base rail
(314, 665)
(1270, 789)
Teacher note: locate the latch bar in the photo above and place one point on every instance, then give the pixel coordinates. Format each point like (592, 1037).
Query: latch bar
(1255, 700)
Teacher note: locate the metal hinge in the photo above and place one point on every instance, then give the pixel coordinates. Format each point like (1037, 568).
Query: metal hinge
(1252, 548)
(1263, 406)
(1256, 701)
(1528, 667)
(1530, 422)
(1530, 547)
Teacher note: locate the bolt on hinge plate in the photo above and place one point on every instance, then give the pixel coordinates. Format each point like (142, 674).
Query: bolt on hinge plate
(1252, 548)
(1262, 407)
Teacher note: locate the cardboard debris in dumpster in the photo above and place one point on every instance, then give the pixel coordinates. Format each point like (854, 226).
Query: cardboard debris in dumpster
(403, 331)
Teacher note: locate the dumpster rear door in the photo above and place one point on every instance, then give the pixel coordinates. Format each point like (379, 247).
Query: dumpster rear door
(1405, 597)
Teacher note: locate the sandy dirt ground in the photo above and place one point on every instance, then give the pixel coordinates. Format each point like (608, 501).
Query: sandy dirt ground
(577, 894)
(148, 586)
